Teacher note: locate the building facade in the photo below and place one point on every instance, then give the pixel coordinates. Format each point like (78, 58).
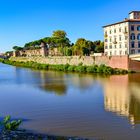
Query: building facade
(123, 38)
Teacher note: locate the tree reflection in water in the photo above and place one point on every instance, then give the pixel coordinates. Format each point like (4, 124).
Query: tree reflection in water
(53, 82)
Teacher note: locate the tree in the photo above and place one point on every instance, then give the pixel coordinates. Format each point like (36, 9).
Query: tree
(59, 34)
(86, 51)
(81, 47)
(68, 51)
(17, 48)
(91, 45)
(100, 47)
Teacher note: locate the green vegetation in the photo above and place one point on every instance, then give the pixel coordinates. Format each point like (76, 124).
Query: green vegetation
(17, 48)
(9, 125)
(64, 46)
(102, 69)
(86, 47)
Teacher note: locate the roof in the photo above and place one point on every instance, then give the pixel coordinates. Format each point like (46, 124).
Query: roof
(134, 11)
(126, 20)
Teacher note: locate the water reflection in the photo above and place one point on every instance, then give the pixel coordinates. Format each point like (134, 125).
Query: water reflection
(83, 109)
(121, 93)
(59, 82)
(122, 96)
(53, 82)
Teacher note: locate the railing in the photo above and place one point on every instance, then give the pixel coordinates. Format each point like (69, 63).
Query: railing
(125, 32)
(115, 42)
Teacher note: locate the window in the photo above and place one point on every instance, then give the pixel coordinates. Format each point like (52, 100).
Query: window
(106, 47)
(132, 36)
(138, 36)
(125, 52)
(125, 45)
(125, 30)
(105, 40)
(126, 37)
(132, 45)
(115, 40)
(110, 39)
(105, 35)
(110, 46)
(138, 51)
(138, 28)
(115, 46)
(120, 38)
(132, 28)
(110, 31)
(114, 30)
(138, 44)
(120, 52)
(120, 45)
(132, 51)
(120, 29)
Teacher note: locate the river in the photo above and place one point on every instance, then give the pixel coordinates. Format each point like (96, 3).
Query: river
(72, 104)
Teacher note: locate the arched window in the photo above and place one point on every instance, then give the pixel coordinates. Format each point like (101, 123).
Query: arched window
(132, 36)
(138, 28)
(138, 37)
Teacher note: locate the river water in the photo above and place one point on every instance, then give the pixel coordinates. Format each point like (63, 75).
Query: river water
(71, 104)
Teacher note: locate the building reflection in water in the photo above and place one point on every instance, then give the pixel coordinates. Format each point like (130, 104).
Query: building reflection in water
(122, 96)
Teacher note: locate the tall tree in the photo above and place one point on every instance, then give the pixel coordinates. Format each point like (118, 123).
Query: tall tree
(59, 34)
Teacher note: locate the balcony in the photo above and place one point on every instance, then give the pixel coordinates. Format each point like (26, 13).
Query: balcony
(125, 32)
(115, 42)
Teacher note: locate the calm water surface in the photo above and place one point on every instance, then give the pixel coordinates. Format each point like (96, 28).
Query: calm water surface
(68, 104)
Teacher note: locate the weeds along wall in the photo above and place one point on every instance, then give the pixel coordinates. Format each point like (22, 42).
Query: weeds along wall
(114, 61)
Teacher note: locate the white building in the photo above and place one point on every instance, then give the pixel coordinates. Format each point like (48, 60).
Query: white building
(123, 38)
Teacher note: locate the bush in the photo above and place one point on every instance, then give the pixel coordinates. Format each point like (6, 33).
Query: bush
(92, 69)
(80, 68)
(101, 68)
(8, 125)
(71, 68)
(65, 67)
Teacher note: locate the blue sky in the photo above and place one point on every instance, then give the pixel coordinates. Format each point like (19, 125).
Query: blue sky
(22, 21)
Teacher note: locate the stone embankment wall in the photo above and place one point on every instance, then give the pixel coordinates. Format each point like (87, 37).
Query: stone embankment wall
(122, 62)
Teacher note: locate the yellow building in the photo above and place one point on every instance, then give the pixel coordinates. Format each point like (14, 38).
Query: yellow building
(123, 38)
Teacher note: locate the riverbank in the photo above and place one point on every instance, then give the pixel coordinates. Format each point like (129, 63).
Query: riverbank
(24, 135)
(102, 69)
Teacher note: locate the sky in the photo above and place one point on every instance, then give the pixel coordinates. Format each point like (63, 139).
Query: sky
(22, 21)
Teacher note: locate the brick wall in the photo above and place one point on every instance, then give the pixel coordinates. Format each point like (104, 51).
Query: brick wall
(134, 65)
(119, 62)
